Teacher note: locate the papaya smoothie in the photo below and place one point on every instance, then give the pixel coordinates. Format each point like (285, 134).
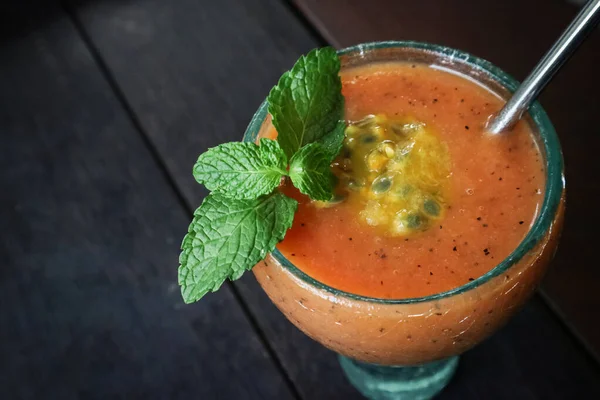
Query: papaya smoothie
(438, 231)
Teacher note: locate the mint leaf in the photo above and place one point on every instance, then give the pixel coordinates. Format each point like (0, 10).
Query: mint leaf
(242, 170)
(333, 141)
(311, 173)
(307, 103)
(245, 216)
(228, 237)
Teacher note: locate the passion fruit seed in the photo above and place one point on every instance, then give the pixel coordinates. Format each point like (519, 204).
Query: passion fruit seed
(431, 208)
(398, 129)
(354, 184)
(381, 185)
(403, 149)
(337, 199)
(378, 131)
(368, 138)
(397, 169)
(346, 165)
(415, 221)
(404, 190)
(388, 149)
(366, 122)
(352, 130)
(376, 161)
(350, 143)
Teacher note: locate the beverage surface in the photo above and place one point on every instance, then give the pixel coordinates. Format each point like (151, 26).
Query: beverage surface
(426, 200)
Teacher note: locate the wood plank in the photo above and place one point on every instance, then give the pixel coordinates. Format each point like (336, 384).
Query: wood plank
(527, 359)
(194, 81)
(89, 243)
(517, 33)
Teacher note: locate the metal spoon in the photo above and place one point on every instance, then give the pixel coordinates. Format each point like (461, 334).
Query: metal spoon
(560, 52)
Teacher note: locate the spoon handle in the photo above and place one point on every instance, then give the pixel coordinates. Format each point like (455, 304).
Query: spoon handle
(531, 87)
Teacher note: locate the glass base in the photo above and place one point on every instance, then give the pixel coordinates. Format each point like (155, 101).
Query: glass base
(378, 382)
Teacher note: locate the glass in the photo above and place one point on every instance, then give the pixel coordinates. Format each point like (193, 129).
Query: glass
(408, 348)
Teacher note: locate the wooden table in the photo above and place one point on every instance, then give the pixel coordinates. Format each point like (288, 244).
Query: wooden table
(104, 107)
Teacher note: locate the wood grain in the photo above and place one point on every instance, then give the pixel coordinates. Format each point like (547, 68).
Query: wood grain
(194, 74)
(194, 82)
(89, 304)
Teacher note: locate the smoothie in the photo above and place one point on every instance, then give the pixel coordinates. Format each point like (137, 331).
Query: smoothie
(426, 202)
(492, 188)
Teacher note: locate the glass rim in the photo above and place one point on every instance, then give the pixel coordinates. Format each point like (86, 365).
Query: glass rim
(555, 182)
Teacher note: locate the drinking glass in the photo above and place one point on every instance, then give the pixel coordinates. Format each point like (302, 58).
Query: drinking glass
(409, 348)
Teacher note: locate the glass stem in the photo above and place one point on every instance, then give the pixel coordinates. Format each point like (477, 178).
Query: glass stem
(380, 382)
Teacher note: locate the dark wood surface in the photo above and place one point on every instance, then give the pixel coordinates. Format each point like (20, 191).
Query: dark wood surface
(89, 303)
(104, 107)
(517, 33)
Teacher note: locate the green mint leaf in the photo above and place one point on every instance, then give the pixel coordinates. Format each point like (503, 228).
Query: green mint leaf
(307, 103)
(334, 140)
(242, 170)
(228, 237)
(310, 172)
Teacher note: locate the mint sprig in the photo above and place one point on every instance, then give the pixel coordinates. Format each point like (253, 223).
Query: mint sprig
(334, 140)
(242, 170)
(228, 237)
(310, 172)
(307, 103)
(245, 216)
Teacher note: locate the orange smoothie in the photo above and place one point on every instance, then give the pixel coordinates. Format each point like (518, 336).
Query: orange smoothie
(496, 186)
(455, 223)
